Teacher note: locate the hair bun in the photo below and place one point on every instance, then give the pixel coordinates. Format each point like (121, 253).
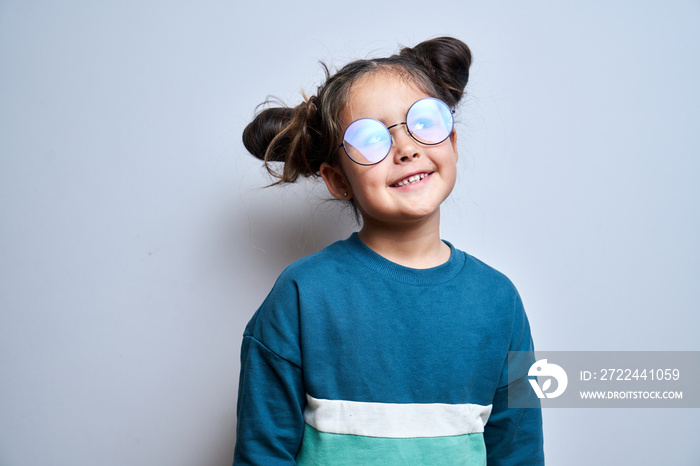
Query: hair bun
(447, 61)
(289, 135)
(265, 127)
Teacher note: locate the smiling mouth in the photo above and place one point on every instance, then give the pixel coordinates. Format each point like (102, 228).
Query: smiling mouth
(410, 180)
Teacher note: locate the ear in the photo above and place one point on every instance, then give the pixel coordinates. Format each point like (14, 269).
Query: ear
(335, 181)
(453, 140)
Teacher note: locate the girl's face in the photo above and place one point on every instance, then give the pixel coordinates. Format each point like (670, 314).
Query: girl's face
(414, 179)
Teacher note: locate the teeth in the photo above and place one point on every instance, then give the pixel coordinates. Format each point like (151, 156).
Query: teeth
(411, 179)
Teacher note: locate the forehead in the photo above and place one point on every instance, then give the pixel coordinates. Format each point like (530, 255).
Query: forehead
(382, 95)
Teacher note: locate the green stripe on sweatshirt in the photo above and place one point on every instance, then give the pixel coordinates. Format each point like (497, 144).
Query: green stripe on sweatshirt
(320, 448)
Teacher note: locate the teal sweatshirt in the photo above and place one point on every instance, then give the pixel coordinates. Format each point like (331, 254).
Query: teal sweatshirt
(355, 360)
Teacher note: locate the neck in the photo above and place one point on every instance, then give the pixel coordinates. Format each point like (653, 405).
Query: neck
(416, 245)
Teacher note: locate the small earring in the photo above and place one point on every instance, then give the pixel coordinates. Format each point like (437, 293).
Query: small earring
(345, 194)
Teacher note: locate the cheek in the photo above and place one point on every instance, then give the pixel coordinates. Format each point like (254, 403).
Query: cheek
(453, 168)
(351, 176)
(361, 178)
(453, 176)
(364, 189)
(448, 170)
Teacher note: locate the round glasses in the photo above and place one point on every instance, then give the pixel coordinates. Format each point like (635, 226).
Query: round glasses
(367, 141)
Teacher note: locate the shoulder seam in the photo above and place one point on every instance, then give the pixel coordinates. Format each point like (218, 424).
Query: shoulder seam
(273, 352)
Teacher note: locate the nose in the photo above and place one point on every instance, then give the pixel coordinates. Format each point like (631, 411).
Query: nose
(405, 147)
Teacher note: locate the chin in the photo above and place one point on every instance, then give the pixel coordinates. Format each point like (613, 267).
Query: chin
(420, 214)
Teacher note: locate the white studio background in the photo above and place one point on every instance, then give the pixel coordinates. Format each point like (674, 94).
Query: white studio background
(136, 239)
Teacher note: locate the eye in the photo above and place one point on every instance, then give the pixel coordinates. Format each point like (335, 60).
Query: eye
(429, 128)
(429, 121)
(422, 124)
(367, 141)
(376, 138)
(366, 133)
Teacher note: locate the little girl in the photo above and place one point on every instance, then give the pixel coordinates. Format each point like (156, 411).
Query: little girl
(389, 347)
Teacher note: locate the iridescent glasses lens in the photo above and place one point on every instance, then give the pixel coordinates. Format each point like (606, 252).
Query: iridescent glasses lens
(428, 121)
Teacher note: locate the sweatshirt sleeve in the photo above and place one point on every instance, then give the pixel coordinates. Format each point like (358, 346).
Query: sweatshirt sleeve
(271, 393)
(513, 436)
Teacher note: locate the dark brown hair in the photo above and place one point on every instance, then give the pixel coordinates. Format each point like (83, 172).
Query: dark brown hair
(305, 136)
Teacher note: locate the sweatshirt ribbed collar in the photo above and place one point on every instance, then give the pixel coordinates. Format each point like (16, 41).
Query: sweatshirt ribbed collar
(432, 276)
